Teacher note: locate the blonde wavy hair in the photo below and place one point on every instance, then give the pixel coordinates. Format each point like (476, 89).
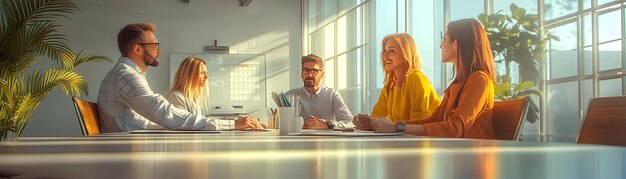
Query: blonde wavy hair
(187, 80)
(411, 56)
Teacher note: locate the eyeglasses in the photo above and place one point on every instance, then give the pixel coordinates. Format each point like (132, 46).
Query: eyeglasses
(157, 44)
(311, 71)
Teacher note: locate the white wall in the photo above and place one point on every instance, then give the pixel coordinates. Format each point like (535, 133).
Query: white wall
(271, 27)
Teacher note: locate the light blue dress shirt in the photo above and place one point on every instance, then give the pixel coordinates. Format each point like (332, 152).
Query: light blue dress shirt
(326, 104)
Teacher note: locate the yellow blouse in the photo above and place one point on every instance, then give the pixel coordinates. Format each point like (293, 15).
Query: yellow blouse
(473, 114)
(415, 100)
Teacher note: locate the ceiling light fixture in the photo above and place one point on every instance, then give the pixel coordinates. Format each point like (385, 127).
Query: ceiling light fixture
(244, 3)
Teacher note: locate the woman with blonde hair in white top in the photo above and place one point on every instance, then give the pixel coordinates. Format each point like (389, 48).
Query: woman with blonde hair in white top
(190, 78)
(187, 92)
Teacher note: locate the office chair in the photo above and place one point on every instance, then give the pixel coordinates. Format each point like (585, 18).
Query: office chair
(508, 116)
(605, 122)
(88, 116)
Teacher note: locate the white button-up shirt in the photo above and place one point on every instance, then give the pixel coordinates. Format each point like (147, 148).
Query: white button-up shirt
(326, 104)
(127, 103)
(179, 100)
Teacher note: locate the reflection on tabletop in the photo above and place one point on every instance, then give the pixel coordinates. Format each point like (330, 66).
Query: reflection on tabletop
(271, 155)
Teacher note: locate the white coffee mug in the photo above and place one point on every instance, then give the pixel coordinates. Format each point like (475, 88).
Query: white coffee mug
(296, 125)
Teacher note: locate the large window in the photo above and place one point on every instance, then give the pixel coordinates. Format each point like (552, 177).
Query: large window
(461, 9)
(586, 61)
(336, 32)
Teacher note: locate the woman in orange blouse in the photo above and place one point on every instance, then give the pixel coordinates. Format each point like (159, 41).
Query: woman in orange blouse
(465, 111)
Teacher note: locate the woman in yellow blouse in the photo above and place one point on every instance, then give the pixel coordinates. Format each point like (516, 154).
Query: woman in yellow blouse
(407, 94)
(466, 108)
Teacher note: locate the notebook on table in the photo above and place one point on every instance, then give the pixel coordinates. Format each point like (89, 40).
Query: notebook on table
(173, 132)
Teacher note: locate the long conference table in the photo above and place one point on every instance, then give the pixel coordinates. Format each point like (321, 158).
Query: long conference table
(266, 154)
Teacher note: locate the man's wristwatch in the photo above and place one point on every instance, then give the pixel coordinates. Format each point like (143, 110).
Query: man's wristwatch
(331, 124)
(400, 127)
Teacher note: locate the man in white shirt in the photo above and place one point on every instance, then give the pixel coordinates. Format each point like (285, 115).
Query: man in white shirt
(321, 107)
(126, 102)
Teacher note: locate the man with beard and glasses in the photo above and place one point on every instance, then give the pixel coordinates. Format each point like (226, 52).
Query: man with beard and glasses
(127, 103)
(321, 107)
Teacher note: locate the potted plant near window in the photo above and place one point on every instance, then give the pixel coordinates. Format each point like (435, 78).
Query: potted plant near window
(517, 38)
(28, 32)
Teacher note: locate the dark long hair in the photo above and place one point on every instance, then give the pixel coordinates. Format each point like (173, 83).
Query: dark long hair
(474, 52)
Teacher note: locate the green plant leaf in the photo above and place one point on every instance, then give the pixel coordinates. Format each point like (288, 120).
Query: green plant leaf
(78, 61)
(516, 12)
(27, 11)
(524, 86)
(532, 17)
(40, 84)
(502, 87)
(482, 18)
(29, 30)
(3, 112)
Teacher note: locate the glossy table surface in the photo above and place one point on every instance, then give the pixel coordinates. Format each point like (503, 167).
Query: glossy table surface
(255, 154)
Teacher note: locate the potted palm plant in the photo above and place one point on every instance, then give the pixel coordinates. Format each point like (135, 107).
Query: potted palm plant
(517, 38)
(28, 32)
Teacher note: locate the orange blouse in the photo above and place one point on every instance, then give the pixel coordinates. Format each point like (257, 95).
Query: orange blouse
(472, 118)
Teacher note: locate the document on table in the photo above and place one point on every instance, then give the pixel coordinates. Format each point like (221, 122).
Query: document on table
(357, 133)
(173, 132)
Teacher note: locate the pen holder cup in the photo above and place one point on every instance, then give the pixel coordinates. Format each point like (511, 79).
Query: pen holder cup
(285, 117)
